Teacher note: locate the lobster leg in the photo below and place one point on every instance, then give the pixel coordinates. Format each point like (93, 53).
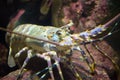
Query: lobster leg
(29, 55)
(105, 54)
(57, 60)
(48, 59)
(92, 70)
(22, 50)
(93, 64)
(49, 65)
(19, 53)
(75, 72)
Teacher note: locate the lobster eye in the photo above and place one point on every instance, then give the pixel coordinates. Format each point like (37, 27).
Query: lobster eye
(58, 33)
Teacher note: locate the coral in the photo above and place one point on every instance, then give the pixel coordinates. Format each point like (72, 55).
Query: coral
(85, 14)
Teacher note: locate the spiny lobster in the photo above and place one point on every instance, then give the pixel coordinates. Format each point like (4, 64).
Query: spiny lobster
(49, 42)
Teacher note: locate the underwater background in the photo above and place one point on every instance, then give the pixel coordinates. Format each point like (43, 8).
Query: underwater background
(86, 14)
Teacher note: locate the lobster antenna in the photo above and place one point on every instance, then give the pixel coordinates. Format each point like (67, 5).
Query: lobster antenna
(39, 39)
(68, 25)
(116, 24)
(112, 30)
(113, 20)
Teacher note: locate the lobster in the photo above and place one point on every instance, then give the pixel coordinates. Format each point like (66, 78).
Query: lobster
(58, 44)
